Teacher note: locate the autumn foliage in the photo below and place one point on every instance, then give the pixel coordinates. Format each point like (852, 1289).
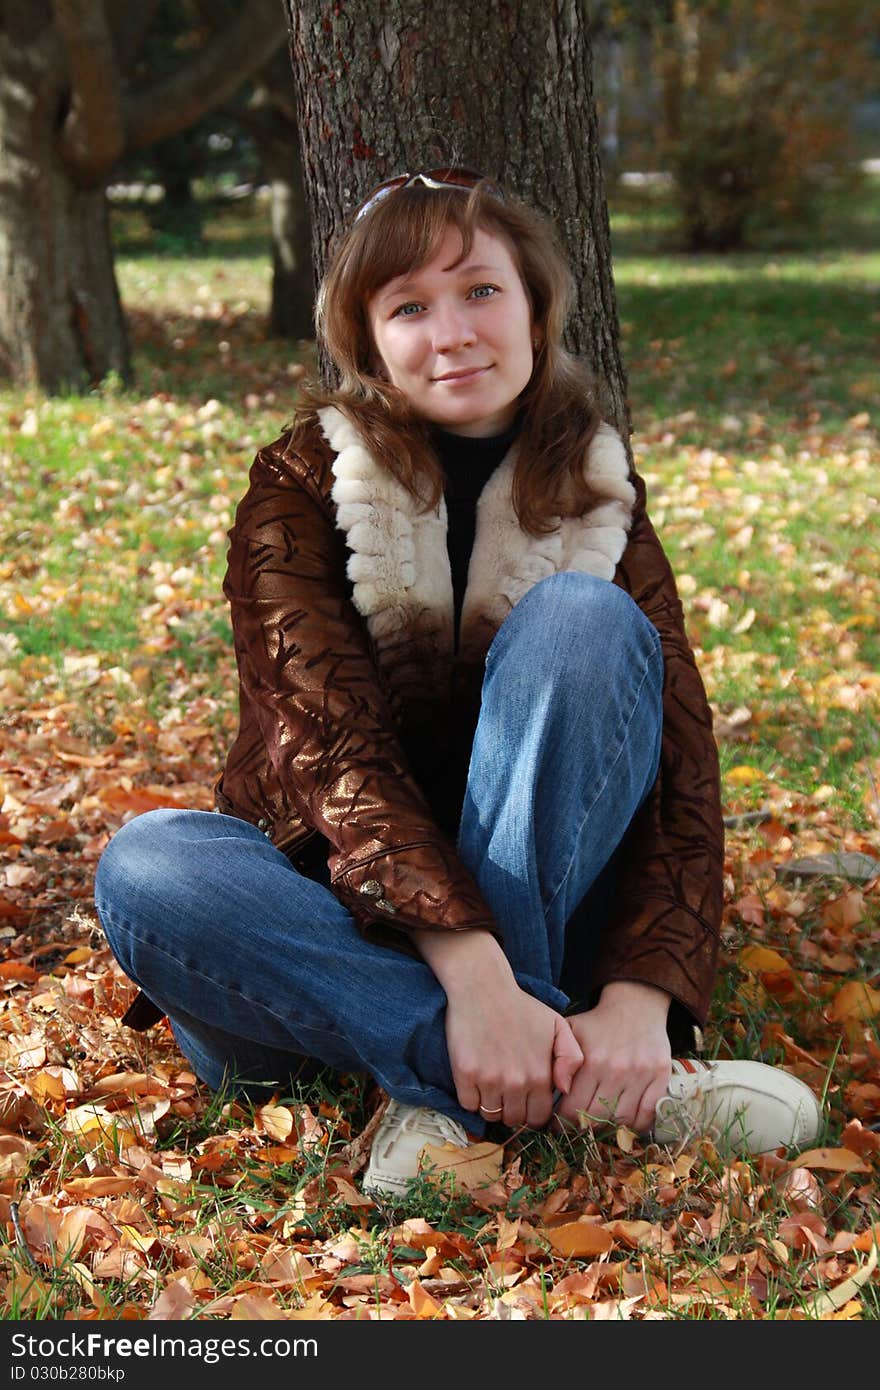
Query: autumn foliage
(126, 1189)
(755, 109)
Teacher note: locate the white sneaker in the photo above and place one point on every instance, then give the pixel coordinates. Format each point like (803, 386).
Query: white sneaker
(744, 1107)
(402, 1134)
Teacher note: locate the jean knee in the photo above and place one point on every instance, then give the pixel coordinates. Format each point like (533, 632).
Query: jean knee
(580, 612)
(134, 853)
(144, 878)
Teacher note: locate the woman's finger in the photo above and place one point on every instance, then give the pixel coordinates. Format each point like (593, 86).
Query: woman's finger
(468, 1093)
(514, 1112)
(568, 1057)
(644, 1120)
(539, 1108)
(491, 1109)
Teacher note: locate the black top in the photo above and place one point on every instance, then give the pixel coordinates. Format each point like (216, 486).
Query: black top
(468, 464)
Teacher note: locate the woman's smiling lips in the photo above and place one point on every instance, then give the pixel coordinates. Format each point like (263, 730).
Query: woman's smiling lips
(461, 377)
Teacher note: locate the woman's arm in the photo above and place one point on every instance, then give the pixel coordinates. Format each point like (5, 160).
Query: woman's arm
(307, 670)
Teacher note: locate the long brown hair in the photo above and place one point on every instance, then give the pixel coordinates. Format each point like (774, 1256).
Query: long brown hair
(559, 412)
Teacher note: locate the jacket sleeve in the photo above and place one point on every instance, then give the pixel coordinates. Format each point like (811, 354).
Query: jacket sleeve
(306, 666)
(668, 914)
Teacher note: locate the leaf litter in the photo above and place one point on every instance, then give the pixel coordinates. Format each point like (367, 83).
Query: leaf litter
(128, 1191)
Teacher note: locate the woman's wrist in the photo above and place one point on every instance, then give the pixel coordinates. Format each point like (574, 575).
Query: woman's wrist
(463, 960)
(636, 994)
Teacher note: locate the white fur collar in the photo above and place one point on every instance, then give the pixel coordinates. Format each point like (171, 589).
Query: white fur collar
(399, 564)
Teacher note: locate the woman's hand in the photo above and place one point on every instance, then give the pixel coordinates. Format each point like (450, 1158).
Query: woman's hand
(508, 1051)
(627, 1057)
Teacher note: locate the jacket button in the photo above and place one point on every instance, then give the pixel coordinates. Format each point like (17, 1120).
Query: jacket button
(262, 823)
(372, 887)
(385, 906)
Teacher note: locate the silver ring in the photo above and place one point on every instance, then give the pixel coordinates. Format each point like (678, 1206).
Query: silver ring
(486, 1111)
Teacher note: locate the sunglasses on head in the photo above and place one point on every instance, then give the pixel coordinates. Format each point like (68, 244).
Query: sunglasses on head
(465, 179)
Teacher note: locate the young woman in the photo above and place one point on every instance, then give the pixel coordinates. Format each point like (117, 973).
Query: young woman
(469, 837)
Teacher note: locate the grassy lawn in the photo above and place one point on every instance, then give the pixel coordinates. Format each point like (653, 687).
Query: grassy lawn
(753, 386)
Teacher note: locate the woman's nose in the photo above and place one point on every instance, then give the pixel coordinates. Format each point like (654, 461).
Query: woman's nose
(452, 329)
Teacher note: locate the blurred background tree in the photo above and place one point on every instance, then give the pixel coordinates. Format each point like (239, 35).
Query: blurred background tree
(247, 143)
(748, 104)
(76, 95)
(746, 113)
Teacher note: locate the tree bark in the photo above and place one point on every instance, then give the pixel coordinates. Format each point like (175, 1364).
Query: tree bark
(208, 79)
(505, 88)
(61, 322)
(66, 116)
(270, 119)
(93, 133)
(291, 314)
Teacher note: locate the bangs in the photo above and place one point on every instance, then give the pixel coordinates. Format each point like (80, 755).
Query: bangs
(402, 233)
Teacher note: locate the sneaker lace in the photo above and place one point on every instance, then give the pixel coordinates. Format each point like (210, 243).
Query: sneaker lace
(430, 1125)
(687, 1124)
(687, 1118)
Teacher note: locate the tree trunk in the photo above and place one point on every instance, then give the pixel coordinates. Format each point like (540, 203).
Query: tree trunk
(608, 53)
(179, 213)
(67, 114)
(504, 88)
(61, 323)
(292, 285)
(269, 117)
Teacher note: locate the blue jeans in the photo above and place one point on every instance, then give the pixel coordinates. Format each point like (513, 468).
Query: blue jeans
(255, 963)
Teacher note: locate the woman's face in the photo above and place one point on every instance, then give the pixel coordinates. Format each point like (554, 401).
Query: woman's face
(456, 336)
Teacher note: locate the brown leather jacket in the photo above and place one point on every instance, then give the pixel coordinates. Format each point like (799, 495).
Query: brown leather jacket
(357, 714)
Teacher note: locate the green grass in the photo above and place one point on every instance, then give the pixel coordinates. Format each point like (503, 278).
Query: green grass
(753, 392)
(752, 386)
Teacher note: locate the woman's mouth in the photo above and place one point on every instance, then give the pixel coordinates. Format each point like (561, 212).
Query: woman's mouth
(461, 378)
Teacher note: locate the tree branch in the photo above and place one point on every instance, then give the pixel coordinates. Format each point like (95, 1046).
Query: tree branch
(92, 136)
(237, 51)
(276, 80)
(130, 24)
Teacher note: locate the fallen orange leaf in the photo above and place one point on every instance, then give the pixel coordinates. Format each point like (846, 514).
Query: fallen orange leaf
(761, 959)
(175, 1303)
(280, 1153)
(855, 1000)
(846, 911)
(423, 1305)
(17, 970)
(473, 1167)
(255, 1308)
(276, 1120)
(137, 799)
(868, 1239)
(580, 1238)
(634, 1233)
(128, 1083)
(99, 1187)
(836, 1160)
(744, 776)
(860, 1140)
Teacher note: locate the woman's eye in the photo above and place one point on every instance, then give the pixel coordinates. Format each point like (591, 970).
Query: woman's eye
(403, 310)
(484, 291)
